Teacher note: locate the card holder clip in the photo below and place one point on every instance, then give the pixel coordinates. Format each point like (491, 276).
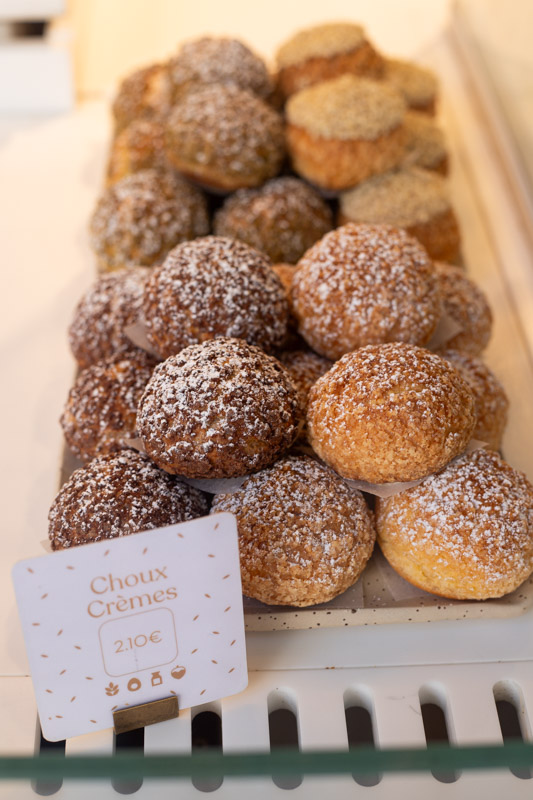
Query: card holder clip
(127, 719)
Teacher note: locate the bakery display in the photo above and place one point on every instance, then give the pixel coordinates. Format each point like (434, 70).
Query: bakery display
(490, 398)
(225, 138)
(465, 533)
(214, 286)
(116, 495)
(325, 51)
(365, 284)
(417, 84)
(304, 535)
(282, 218)
(390, 413)
(465, 304)
(222, 61)
(410, 198)
(101, 410)
(343, 131)
(104, 313)
(219, 410)
(141, 217)
(349, 311)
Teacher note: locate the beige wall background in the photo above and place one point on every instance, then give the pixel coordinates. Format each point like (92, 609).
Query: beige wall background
(110, 38)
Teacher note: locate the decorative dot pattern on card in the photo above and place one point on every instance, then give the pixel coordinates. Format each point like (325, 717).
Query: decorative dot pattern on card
(115, 624)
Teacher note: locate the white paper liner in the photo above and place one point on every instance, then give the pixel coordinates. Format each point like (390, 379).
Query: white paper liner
(215, 485)
(46, 545)
(398, 588)
(390, 489)
(136, 333)
(136, 444)
(446, 329)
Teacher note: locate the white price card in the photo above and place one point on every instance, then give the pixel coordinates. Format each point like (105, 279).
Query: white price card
(131, 620)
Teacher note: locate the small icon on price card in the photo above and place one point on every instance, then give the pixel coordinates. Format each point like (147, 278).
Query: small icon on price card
(138, 641)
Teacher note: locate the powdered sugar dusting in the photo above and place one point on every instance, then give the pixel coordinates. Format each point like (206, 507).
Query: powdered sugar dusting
(282, 219)
(141, 217)
(214, 287)
(365, 284)
(97, 331)
(219, 410)
(468, 529)
(304, 536)
(119, 494)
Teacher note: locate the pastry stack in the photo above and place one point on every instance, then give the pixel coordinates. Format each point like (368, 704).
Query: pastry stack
(282, 305)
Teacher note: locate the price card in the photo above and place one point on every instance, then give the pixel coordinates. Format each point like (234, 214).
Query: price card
(131, 620)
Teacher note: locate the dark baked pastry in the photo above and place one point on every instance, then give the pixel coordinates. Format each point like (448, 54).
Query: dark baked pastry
(223, 61)
(219, 409)
(465, 303)
(304, 535)
(282, 218)
(119, 494)
(142, 216)
(101, 410)
(213, 287)
(139, 146)
(108, 307)
(144, 94)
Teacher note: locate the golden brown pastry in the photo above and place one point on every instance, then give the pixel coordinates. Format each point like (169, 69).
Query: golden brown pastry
(214, 287)
(141, 217)
(101, 410)
(145, 94)
(225, 138)
(304, 535)
(119, 494)
(365, 284)
(219, 410)
(282, 218)
(140, 145)
(343, 131)
(323, 52)
(390, 413)
(492, 403)
(418, 85)
(223, 61)
(426, 144)
(98, 328)
(464, 303)
(410, 198)
(465, 533)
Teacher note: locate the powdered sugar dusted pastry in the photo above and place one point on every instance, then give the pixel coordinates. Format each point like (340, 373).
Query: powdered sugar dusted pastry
(145, 94)
(119, 494)
(304, 535)
(390, 412)
(138, 146)
(410, 198)
(225, 138)
(101, 410)
(490, 398)
(418, 85)
(108, 307)
(465, 533)
(218, 410)
(326, 51)
(282, 218)
(364, 284)
(342, 131)
(213, 287)
(223, 61)
(141, 217)
(465, 303)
